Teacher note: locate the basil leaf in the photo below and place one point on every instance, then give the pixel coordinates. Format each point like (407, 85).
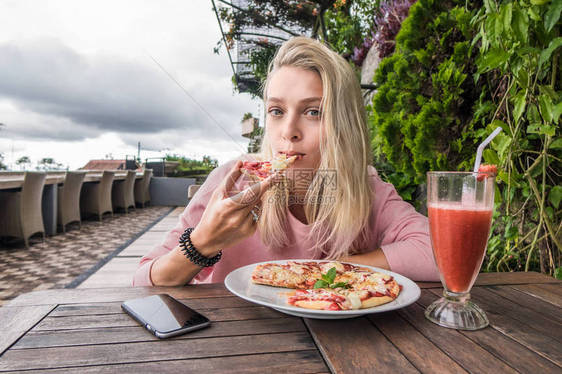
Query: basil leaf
(331, 274)
(339, 284)
(321, 284)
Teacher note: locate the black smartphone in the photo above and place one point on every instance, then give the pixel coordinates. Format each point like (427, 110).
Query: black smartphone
(164, 316)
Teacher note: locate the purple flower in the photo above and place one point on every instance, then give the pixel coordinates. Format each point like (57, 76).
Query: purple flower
(387, 23)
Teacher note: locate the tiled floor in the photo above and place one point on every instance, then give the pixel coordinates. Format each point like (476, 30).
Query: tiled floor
(58, 261)
(118, 271)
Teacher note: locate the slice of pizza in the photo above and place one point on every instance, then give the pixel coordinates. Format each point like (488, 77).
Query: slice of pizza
(342, 298)
(260, 170)
(297, 274)
(290, 275)
(320, 299)
(380, 288)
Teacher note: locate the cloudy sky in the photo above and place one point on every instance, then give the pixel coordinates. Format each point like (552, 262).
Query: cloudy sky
(78, 81)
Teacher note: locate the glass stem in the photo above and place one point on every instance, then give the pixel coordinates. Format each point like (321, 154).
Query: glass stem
(456, 297)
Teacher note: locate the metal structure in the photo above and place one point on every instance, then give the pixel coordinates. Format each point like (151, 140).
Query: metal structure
(250, 40)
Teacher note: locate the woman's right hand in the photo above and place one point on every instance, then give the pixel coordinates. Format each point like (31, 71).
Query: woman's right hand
(227, 220)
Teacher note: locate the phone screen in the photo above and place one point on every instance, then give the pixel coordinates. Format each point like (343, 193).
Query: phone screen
(164, 316)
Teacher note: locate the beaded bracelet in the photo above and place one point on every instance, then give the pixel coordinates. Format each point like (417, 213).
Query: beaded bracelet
(193, 254)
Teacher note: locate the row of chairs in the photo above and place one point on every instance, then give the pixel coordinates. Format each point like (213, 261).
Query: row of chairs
(21, 213)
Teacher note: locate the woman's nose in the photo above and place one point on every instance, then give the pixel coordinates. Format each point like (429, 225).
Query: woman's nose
(291, 129)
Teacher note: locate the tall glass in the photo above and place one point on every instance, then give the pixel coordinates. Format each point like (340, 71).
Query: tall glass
(460, 215)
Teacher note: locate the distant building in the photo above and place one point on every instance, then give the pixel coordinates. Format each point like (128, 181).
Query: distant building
(111, 165)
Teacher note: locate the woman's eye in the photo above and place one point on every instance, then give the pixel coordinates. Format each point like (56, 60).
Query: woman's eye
(275, 112)
(313, 112)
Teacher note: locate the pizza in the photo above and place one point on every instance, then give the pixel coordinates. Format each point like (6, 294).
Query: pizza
(260, 170)
(329, 285)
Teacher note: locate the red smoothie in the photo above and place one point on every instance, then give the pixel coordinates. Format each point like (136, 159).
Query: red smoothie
(459, 236)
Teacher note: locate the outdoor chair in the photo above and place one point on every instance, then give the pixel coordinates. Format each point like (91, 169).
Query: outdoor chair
(123, 195)
(20, 215)
(69, 199)
(142, 193)
(95, 198)
(191, 190)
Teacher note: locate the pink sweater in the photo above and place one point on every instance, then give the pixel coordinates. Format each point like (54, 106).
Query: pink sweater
(401, 232)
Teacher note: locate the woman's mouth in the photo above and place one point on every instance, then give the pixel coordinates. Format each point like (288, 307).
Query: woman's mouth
(299, 155)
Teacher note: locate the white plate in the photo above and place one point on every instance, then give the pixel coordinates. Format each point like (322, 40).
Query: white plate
(239, 282)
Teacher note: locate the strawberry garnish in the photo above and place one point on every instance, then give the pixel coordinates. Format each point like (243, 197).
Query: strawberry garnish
(486, 170)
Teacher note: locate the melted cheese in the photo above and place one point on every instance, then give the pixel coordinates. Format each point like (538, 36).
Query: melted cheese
(282, 162)
(333, 264)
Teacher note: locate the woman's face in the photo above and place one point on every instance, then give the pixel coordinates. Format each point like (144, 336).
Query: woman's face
(293, 115)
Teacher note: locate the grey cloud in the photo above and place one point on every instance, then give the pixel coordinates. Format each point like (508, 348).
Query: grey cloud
(171, 139)
(100, 94)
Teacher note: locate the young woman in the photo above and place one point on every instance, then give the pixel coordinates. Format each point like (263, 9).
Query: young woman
(329, 204)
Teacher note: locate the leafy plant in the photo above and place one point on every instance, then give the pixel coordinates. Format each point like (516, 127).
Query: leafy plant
(256, 138)
(186, 164)
(519, 58)
(328, 279)
(423, 105)
(458, 73)
(347, 26)
(259, 59)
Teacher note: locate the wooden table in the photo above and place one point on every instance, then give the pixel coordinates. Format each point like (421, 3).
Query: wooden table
(85, 331)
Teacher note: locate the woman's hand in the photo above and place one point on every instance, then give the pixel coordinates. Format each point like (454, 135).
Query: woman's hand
(227, 220)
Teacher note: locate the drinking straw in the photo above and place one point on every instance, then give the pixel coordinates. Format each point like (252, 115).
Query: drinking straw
(482, 146)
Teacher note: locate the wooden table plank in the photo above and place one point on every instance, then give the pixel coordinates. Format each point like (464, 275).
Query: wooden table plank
(16, 321)
(544, 292)
(523, 333)
(89, 295)
(115, 307)
(520, 314)
(416, 347)
(356, 346)
(123, 320)
(514, 354)
(487, 279)
(46, 358)
(61, 338)
(554, 288)
(308, 361)
(471, 356)
(519, 297)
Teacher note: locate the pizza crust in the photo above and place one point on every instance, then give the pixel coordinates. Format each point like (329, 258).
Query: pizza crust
(314, 304)
(375, 301)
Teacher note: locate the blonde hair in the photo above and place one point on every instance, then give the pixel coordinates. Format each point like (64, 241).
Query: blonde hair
(339, 214)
